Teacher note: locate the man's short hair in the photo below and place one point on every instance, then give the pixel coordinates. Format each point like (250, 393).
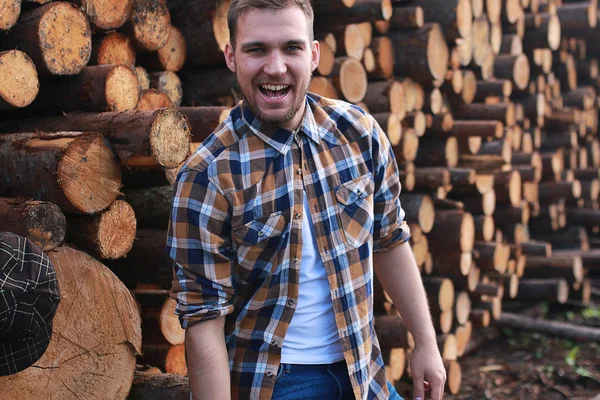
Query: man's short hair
(239, 7)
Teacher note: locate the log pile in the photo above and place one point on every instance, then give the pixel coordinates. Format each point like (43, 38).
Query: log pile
(491, 109)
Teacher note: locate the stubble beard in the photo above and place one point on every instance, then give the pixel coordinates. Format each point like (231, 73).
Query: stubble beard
(288, 116)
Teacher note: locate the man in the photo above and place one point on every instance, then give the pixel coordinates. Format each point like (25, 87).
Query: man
(29, 296)
(274, 224)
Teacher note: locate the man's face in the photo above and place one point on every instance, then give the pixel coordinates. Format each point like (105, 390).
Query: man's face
(273, 60)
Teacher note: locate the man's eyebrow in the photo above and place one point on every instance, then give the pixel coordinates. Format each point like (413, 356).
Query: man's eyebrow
(249, 45)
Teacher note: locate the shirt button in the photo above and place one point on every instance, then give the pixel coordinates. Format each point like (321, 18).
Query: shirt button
(295, 259)
(290, 302)
(299, 171)
(298, 216)
(261, 233)
(270, 374)
(275, 343)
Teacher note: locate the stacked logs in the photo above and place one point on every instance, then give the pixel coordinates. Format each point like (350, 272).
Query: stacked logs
(490, 106)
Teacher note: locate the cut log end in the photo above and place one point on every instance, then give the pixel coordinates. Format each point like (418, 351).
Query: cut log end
(219, 23)
(467, 233)
(9, 13)
(153, 99)
(173, 54)
(19, 85)
(170, 138)
(106, 15)
(151, 24)
(143, 79)
(437, 53)
(89, 166)
(121, 89)
(116, 49)
(116, 230)
(353, 80)
(454, 376)
(64, 20)
(323, 87)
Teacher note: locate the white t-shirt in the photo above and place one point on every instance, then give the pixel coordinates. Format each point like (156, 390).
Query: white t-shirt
(312, 337)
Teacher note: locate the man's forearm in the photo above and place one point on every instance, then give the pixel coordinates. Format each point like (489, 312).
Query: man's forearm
(208, 365)
(399, 275)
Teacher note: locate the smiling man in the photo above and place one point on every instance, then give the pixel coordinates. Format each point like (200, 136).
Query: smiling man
(280, 221)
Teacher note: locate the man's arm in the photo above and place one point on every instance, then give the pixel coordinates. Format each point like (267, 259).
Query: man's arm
(208, 365)
(398, 273)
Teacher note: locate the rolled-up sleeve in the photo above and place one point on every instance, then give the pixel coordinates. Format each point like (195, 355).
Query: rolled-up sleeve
(389, 229)
(199, 246)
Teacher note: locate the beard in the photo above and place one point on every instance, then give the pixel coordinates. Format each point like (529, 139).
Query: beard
(276, 120)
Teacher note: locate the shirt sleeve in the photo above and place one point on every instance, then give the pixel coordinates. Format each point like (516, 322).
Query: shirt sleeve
(389, 229)
(199, 246)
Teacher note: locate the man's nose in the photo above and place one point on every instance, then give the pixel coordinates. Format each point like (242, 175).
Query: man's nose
(275, 64)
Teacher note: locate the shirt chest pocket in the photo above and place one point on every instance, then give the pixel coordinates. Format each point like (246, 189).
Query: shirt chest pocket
(258, 241)
(355, 203)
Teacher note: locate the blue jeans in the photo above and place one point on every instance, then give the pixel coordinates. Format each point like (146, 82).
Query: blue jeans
(317, 382)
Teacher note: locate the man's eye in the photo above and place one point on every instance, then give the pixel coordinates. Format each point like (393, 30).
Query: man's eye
(294, 48)
(255, 50)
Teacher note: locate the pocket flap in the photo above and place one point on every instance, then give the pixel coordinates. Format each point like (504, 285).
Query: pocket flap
(354, 190)
(260, 229)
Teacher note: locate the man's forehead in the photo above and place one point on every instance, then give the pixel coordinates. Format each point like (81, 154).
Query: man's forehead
(272, 25)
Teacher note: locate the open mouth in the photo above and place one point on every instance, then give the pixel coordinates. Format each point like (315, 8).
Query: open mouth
(274, 91)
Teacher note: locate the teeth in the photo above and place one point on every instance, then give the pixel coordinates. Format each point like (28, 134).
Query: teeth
(274, 87)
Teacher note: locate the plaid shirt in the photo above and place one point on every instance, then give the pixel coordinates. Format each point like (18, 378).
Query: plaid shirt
(236, 243)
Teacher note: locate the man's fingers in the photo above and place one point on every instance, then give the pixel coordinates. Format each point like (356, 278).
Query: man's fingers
(419, 389)
(437, 388)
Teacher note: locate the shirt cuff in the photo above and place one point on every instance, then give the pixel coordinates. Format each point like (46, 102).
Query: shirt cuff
(400, 235)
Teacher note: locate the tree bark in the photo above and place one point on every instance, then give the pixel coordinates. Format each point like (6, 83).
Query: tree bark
(453, 231)
(152, 205)
(41, 222)
(57, 36)
(96, 331)
(77, 171)
(161, 135)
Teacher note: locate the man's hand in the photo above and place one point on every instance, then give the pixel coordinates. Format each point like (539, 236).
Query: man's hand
(426, 365)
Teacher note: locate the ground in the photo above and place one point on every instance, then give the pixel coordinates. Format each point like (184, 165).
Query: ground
(522, 365)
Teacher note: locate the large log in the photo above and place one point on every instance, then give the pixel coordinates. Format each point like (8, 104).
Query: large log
(19, 85)
(57, 36)
(203, 121)
(504, 112)
(41, 222)
(419, 209)
(567, 266)
(386, 96)
(162, 135)
(403, 17)
(455, 16)
(149, 24)
(160, 324)
(170, 57)
(146, 262)
(364, 10)
(159, 386)
(391, 332)
(107, 235)
(349, 41)
(153, 99)
(440, 292)
(423, 52)
(169, 83)
(79, 172)
(113, 48)
(96, 332)
(555, 328)
(554, 290)
(349, 78)
(453, 231)
(96, 88)
(204, 27)
(105, 15)
(9, 13)
(152, 205)
(438, 152)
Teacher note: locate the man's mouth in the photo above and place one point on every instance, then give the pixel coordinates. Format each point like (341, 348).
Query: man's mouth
(274, 91)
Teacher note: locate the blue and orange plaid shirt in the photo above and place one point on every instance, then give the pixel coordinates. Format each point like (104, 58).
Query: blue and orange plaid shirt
(235, 235)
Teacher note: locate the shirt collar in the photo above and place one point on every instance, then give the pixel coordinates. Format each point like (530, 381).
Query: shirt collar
(281, 138)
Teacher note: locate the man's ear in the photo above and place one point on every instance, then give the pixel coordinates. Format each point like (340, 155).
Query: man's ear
(229, 56)
(315, 54)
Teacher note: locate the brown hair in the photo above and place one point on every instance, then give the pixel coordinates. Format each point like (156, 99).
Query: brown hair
(239, 7)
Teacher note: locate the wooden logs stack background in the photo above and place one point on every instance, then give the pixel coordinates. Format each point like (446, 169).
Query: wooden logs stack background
(491, 107)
